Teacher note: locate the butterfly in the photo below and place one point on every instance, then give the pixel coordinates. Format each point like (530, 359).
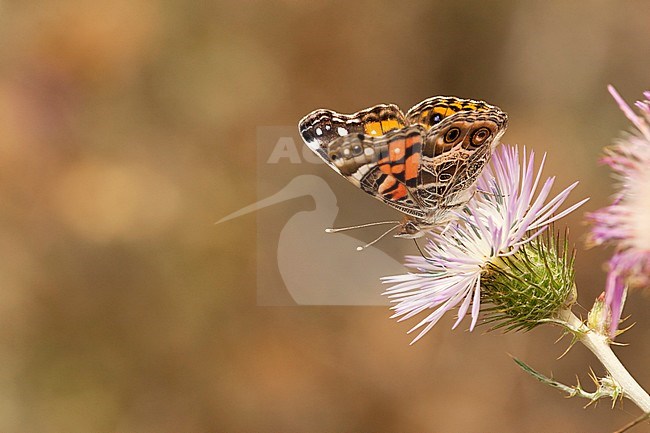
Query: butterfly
(424, 163)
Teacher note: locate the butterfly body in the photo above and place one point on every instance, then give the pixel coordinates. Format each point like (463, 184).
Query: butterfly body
(424, 163)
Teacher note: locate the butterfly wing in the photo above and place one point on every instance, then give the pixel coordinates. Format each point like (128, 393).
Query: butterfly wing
(433, 110)
(419, 163)
(454, 153)
(321, 127)
(389, 169)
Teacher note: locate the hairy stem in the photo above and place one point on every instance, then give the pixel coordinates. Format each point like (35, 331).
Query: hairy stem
(599, 345)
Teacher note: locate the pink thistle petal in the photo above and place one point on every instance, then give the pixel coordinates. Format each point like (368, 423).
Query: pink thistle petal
(614, 292)
(629, 113)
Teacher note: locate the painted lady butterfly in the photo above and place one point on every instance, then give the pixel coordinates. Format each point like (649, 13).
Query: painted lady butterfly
(424, 163)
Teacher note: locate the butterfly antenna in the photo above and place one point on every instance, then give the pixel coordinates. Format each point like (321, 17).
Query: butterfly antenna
(379, 238)
(360, 226)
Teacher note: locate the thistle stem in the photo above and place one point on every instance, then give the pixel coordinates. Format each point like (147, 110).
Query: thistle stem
(599, 346)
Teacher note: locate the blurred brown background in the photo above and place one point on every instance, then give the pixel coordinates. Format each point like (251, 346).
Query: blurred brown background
(128, 127)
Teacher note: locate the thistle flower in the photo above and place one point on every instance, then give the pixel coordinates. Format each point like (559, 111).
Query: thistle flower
(626, 222)
(489, 244)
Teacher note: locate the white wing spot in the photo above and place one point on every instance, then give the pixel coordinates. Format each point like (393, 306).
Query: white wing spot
(328, 127)
(397, 150)
(342, 131)
(319, 131)
(362, 170)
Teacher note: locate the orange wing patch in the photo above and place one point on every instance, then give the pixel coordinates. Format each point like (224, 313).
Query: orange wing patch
(403, 159)
(412, 162)
(381, 127)
(392, 189)
(398, 193)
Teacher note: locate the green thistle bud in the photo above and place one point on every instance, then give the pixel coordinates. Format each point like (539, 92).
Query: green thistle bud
(529, 286)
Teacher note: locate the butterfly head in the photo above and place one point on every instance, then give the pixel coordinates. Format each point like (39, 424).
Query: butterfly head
(410, 230)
